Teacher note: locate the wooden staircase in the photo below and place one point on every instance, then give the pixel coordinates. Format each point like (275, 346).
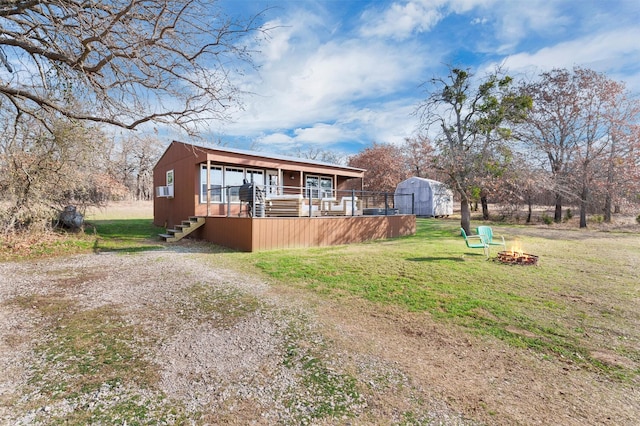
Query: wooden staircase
(184, 229)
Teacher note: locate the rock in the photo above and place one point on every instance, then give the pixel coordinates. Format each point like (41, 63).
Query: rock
(71, 218)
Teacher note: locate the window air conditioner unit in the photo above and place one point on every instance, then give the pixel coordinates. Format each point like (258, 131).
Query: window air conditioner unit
(164, 191)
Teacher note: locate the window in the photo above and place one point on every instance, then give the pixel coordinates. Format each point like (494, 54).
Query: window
(272, 182)
(167, 191)
(318, 187)
(233, 178)
(326, 187)
(215, 177)
(312, 187)
(255, 176)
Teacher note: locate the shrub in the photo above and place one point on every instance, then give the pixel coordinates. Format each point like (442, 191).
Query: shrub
(568, 215)
(548, 220)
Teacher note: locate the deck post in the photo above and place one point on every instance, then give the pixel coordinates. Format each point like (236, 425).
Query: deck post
(386, 203)
(353, 202)
(208, 187)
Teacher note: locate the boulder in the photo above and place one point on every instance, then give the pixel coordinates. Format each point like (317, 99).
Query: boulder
(71, 218)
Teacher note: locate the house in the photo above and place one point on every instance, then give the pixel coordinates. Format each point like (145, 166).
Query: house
(428, 197)
(256, 201)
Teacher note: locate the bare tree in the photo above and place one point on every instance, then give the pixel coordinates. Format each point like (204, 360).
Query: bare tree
(551, 126)
(318, 154)
(622, 162)
(385, 167)
(129, 61)
(469, 122)
(131, 162)
(41, 171)
(419, 154)
(577, 123)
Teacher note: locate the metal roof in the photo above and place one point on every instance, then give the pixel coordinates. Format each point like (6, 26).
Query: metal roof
(271, 156)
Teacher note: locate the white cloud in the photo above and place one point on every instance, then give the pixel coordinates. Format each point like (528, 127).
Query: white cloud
(401, 20)
(517, 22)
(326, 84)
(607, 52)
(321, 88)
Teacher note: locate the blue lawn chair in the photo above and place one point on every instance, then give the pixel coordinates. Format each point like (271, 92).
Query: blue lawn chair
(473, 245)
(490, 238)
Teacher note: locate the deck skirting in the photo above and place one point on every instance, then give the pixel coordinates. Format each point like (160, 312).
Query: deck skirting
(259, 234)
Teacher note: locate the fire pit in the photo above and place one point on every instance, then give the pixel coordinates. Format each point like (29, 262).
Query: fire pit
(517, 258)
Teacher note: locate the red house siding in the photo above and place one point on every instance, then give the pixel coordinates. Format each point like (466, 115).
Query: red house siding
(184, 160)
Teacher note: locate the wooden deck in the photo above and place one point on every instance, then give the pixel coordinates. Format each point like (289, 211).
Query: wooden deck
(270, 233)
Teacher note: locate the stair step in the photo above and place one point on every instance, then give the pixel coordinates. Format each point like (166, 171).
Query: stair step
(184, 229)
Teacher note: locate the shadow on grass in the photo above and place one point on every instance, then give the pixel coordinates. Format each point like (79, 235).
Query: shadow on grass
(125, 235)
(129, 229)
(132, 249)
(437, 259)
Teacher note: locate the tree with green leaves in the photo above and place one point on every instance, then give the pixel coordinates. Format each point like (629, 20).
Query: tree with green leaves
(469, 121)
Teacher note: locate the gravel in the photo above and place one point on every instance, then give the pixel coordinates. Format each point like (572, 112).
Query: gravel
(257, 357)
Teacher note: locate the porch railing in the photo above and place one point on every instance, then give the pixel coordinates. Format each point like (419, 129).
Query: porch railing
(282, 201)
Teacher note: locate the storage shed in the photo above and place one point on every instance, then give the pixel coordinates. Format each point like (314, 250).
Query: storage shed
(430, 197)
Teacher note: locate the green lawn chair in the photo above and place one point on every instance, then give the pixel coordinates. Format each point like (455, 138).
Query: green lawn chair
(472, 244)
(492, 240)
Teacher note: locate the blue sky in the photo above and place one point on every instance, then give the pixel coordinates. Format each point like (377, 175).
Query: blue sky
(337, 75)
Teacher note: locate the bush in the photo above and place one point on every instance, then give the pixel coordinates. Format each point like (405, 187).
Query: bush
(568, 215)
(548, 220)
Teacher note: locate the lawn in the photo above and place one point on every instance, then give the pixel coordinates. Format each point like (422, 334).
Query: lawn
(480, 334)
(580, 303)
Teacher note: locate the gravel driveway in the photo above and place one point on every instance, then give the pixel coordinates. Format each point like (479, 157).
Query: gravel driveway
(168, 337)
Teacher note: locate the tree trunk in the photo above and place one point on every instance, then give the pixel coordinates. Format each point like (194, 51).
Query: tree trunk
(485, 205)
(583, 207)
(465, 216)
(530, 210)
(607, 208)
(557, 217)
(610, 181)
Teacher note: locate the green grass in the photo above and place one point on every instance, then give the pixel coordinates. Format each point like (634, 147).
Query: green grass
(579, 306)
(558, 308)
(126, 235)
(581, 300)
